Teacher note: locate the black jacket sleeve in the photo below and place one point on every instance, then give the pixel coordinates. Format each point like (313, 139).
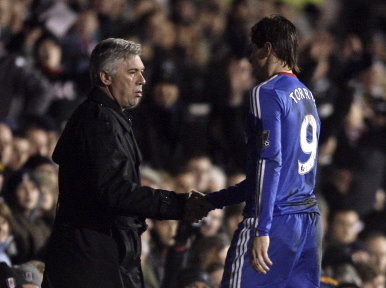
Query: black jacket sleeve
(110, 171)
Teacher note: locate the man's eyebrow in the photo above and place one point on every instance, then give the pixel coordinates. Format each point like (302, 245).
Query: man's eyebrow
(137, 69)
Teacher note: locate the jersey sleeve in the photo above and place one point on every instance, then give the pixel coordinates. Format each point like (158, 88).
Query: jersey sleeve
(228, 196)
(268, 114)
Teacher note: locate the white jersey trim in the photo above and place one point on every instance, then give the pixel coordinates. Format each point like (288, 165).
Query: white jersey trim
(256, 108)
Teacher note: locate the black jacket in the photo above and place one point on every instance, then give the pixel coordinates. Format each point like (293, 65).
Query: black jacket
(102, 206)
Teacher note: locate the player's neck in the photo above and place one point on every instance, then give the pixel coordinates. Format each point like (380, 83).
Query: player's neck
(275, 67)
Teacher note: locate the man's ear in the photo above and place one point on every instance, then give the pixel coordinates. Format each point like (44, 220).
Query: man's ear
(267, 49)
(105, 78)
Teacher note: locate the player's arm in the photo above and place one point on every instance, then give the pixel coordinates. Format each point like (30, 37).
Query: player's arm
(269, 164)
(268, 113)
(228, 196)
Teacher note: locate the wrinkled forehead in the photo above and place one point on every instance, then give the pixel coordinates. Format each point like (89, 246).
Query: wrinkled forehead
(132, 62)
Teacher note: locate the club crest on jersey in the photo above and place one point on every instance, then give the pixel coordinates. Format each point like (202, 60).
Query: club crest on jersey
(265, 139)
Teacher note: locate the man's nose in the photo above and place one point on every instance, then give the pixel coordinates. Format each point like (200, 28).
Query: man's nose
(141, 79)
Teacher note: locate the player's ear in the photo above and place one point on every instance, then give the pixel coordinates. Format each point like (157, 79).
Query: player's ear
(267, 49)
(105, 78)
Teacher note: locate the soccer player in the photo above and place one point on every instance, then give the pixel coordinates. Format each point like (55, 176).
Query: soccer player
(278, 242)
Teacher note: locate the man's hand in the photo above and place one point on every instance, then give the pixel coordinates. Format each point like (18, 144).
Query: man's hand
(196, 207)
(260, 260)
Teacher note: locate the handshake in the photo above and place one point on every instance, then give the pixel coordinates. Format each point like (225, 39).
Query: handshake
(196, 207)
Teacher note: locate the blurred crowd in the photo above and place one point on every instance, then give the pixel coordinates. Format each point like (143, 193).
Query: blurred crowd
(190, 124)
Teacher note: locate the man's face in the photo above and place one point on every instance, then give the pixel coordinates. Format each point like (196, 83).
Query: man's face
(377, 249)
(166, 94)
(27, 195)
(258, 59)
(214, 221)
(126, 83)
(4, 229)
(345, 227)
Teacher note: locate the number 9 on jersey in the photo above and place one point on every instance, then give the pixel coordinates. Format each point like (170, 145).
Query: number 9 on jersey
(308, 147)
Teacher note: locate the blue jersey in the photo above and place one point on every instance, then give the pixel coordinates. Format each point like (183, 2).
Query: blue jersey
(282, 133)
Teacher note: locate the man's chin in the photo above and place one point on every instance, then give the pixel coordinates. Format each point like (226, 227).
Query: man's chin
(133, 104)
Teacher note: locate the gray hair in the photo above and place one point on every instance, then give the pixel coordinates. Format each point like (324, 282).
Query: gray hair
(105, 55)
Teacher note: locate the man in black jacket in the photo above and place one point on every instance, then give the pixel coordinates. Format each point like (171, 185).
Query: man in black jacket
(102, 207)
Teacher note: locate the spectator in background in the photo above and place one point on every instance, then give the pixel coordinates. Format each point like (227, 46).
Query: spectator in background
(161, 126)
(8, 277)
(44, 170)
(336, 188)
(196, 250)
(228, 89)
(150, 177)
(5, 24)
(376, 246)
(344, 273)
(213, 23)
(374, 220)
(343, 243)
(46, 173)
(199, 260)
(237, 31)
(2, 171)
(196, 57)
(200, 166)
(209, 250)
(8, 248)
(162, 238)
(29, 275)
(217, 179)
(184, 181)
(6, 137)
(168, 60)
(318, 71)
(194, 278)
(77, 46)
(64, 95)
(113, 17)
(39, 141)
(20, 152)
(371, 275)
(215, 272)
(23, 91)
(212, 224)
(22, 193)
(42, 132)
(235, 177)
(233, 215)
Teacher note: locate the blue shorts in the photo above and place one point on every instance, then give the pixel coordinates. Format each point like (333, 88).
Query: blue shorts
(295, 250)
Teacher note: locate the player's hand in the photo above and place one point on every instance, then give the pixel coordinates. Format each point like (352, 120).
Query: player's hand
(260, 259)
(196, 207)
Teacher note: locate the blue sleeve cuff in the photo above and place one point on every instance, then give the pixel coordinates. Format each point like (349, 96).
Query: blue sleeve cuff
(261, 233)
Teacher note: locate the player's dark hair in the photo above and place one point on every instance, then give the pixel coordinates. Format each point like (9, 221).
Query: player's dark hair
(281, 33)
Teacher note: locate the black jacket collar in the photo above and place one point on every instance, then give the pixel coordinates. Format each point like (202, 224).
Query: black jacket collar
(99, 96)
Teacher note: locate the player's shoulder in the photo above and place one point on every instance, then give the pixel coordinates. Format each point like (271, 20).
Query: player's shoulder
(284, 85)
(265, 88)
(270, 89)
(286, 82)
(280, 82)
